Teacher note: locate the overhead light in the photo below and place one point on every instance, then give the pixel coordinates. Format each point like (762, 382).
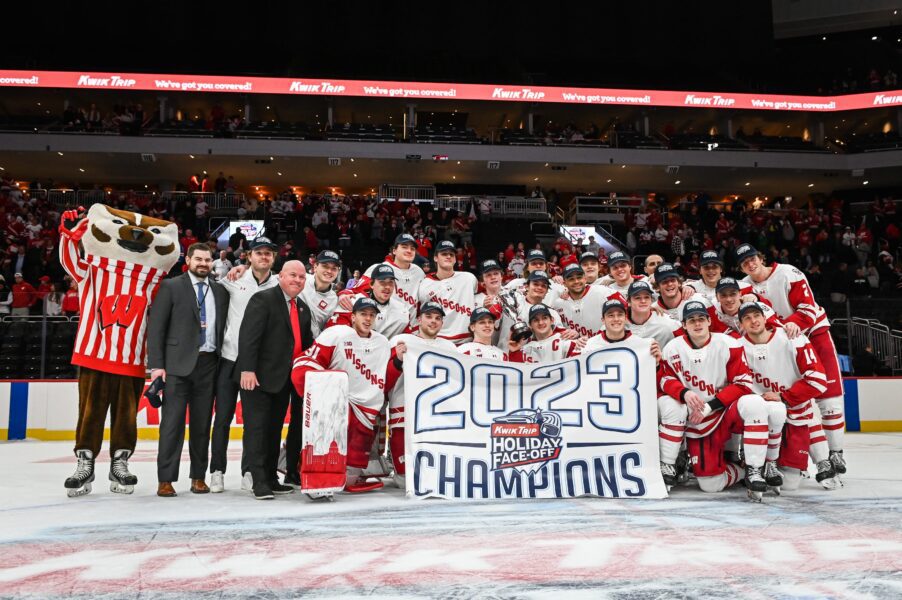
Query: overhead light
(622, 166)
(190, 156)
(824, 38)
(355, 174)
(546, 164)
(145, 186)
(60, 153)
(535, 178)
(352, 160)
(458, 162)
(810, 185)
(2, 169)
(609, 181)
(865, 182)
(677, 182)
(454, 177)
(82, 170)
(874, 38)
(748, 183)
(271, 158)
(279, 173)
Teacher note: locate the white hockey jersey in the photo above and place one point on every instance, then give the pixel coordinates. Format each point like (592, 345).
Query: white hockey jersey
(584, 314)
(394, 377)
(702, 289)
(677, 313)
(634, 342)
(721, 322)
(363, 359)
(550, 349)
(787, 290)
(482, 351)
(457, 296)
(517, 285)
(657, 327)
(507, 320)
(321, 304)
(717, 368)
(407, 284)
(789, 367)
(391, 320)
(623, 289)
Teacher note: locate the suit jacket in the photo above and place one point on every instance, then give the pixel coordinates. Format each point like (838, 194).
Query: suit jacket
(173, 325)
(265, 341)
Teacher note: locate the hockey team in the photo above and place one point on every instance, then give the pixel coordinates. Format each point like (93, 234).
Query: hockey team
(748, 378)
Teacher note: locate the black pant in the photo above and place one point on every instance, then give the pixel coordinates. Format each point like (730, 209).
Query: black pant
(264, 416)
(194, 393)
(293, 437)
(226, 398)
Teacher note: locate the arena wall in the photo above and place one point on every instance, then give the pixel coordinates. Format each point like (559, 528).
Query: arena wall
(48, 409)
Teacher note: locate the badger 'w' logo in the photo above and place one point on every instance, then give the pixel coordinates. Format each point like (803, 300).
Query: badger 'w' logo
(121, 310)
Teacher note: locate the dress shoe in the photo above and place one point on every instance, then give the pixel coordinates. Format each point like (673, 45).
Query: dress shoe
(199, 486)
(165, 490)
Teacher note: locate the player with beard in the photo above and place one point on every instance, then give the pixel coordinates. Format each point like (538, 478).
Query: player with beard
(407, 276)
(454, 290)
(672, 295)
(430, 323)
(706, 375)
(711, 269)
(645, 322)
(546, 344)
(363, 354)
(482, 326)
(788, 292)
(318, 292)
(392, 317)
(787, 371)
(580, 307)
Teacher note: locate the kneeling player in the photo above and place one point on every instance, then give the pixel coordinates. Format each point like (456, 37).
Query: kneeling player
(546, 344)
(788, 371)
(363, 354)
(430, 323)
(706, 374)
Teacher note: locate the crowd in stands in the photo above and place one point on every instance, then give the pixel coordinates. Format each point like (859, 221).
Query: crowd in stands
(872, 79)
(841, 254)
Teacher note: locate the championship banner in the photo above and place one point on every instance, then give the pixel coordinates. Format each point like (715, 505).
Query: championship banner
(585, 426)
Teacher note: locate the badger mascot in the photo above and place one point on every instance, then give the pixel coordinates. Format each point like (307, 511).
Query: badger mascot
(117, 258)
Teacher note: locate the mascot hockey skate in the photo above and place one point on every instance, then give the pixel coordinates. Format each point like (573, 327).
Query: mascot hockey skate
(80, 482)
(325, 434)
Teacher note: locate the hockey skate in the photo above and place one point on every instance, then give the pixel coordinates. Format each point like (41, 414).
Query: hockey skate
(839, 464)
(773, 477)
(682, 467)
(80, 482)
(121, 480)
(755, 483)
(668, 473)
(358, 482)
(826, 475)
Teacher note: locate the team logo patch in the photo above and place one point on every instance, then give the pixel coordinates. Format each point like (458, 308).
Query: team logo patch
(323, 304)
(525, 440)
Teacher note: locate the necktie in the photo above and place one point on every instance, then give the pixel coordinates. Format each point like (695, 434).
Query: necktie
(294, 317)
(202, 305)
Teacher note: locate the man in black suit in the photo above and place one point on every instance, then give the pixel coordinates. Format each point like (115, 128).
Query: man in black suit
(184, 338)
(275, 330)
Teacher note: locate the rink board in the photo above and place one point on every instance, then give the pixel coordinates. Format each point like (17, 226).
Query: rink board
(48, 410)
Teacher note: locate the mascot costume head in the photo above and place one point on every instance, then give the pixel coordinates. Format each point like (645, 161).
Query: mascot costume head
(118, 258)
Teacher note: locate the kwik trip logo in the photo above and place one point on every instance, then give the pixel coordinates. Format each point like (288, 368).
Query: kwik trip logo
(525, 440)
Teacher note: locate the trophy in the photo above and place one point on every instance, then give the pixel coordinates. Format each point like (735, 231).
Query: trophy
(510, 305)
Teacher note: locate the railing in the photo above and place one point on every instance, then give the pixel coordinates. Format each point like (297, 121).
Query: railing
(885, 343)
(407, 193)
(603, 208)
(61, 198)
(501, 206)
(458, 203)
(225, 200)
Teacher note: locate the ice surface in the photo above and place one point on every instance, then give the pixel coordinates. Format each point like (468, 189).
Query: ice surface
(806, 544)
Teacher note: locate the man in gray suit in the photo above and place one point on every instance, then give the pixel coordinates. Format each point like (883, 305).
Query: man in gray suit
(184, 338)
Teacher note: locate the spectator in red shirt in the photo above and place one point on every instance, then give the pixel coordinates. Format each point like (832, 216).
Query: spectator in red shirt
(24, 296)
(70, 300)
(187, 240)
(509, 253)
(44, 288)
(424, 246)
